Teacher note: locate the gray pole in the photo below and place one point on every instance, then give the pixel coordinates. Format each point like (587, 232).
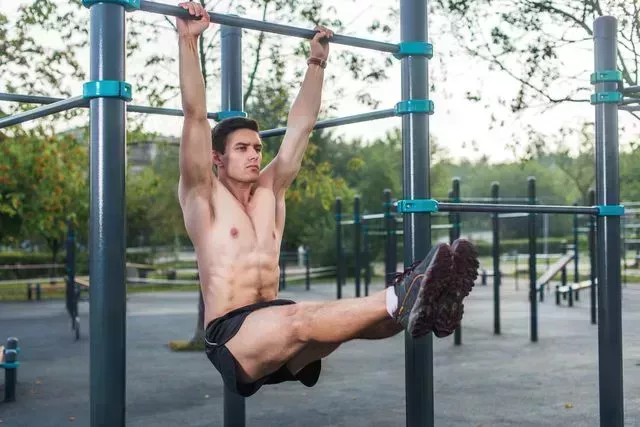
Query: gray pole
(231, 91)
(357, 229)
(389, 225)
(339, 253)
(533, 275)
(576, 249)
(608, 239)
(592, 257)
(495, 221)
(107, 227)
(416, 185)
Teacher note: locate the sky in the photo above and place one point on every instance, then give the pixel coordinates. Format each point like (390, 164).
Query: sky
(457, 123)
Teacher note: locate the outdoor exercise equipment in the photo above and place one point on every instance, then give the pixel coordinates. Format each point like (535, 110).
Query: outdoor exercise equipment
(9, 362)
(107, 93)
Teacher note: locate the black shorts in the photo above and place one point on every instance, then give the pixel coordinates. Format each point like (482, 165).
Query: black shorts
(222, 329)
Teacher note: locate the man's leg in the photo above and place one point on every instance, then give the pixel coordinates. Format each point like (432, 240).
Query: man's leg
(270, 337)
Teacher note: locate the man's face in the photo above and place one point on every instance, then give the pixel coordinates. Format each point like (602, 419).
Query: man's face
(242, 156)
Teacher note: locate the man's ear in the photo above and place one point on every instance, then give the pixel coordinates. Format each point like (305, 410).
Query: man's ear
(217, 158)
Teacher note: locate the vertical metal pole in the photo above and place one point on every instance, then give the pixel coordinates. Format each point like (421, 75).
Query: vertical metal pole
(107, 226)
(231, 92)
(495, 220)
(533, 276)
(455, 234)
(390, 227)
(357, 235)
(70, 288)
(608, 232)
(416, 185)
(592, 257)
(339, 254)
(307, 268)
(366, 257)
(576, 248)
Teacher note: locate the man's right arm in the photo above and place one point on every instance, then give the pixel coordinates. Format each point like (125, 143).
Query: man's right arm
(195, 146)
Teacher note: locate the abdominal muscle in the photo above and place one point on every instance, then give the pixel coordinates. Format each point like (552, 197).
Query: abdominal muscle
(234, 281)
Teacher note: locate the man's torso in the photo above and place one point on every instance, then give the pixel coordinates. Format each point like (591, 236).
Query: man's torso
(237, 247)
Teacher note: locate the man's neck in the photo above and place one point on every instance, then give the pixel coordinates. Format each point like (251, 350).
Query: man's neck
(242, 191)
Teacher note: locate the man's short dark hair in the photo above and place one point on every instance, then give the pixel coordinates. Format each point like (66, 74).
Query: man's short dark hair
(225, 127)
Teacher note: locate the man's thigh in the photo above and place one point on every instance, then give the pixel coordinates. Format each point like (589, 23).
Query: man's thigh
(267, 339)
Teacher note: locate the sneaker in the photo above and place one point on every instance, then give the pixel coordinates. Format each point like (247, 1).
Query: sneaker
(464, 271)
(419, 288)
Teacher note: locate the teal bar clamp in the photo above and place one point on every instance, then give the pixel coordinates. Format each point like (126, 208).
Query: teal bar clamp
(228, 114)
(414, 106)
(610, 210)
(606, 98)
(107, 89)
(417, 206)
(606, 76)
(414, 49)
(129, 5)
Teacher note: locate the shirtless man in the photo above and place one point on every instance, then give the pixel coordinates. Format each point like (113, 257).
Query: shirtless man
(236, 218)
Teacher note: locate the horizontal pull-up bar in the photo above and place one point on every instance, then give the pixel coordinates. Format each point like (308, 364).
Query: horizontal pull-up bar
(496, 208)
(46, 110)
(364, 117)
(13, 97)
(269, 27)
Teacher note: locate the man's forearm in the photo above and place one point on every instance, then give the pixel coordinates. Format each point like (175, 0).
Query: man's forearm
(305, 108)
(191, 80)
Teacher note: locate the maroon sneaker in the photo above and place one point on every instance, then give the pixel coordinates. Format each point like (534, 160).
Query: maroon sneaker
(464, 271)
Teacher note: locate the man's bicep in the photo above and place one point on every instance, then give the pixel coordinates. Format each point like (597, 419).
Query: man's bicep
(196, 162)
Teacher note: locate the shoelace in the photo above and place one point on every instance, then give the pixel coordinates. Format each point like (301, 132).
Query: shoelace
(397, 277)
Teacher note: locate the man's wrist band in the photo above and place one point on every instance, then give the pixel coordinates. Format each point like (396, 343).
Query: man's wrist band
(317, 61)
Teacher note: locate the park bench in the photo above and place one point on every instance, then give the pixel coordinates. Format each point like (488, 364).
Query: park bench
(559, 266)
(571, 291)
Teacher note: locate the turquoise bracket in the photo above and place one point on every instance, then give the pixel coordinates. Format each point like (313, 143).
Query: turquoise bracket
(129, 5)
(357, 219)
(610, 210)
(228, 114)
(606, 98)
(417, 206)
(107, 89)
(414, 106)
(10, 365)
(414, 49)
(606, 76)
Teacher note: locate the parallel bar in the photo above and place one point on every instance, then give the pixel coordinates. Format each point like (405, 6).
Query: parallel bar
(269, 27)
(231, 94)
(608, 240)
(417, 228)
(107, 243)
(323, 124)
(495, 249)
(33, 99)
(357, 232)
(533, 274)
(56, 107)
(492, 208)
(486, 199)
(339, 251)
(592, 259)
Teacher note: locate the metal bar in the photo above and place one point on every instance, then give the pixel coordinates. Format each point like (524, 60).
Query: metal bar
(231, 94)
(533, 275)
(576, 249)
(339, 253)
(269, 27)
(485, 207)
(631, 89)
(107, 225)
(592, 258)
(390, 229)
(323, 124)
(33, 99)
(487, 200)
(356, 243)
(46, 110)
(366, 258)
(417, 228)
(495, 249)
(629, 108)
(608, 240)
(454, 219)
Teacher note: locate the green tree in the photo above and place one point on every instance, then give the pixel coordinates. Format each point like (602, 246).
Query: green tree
(43, 183)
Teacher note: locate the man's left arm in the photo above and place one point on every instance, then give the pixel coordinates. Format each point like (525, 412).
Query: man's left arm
(303, 115)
